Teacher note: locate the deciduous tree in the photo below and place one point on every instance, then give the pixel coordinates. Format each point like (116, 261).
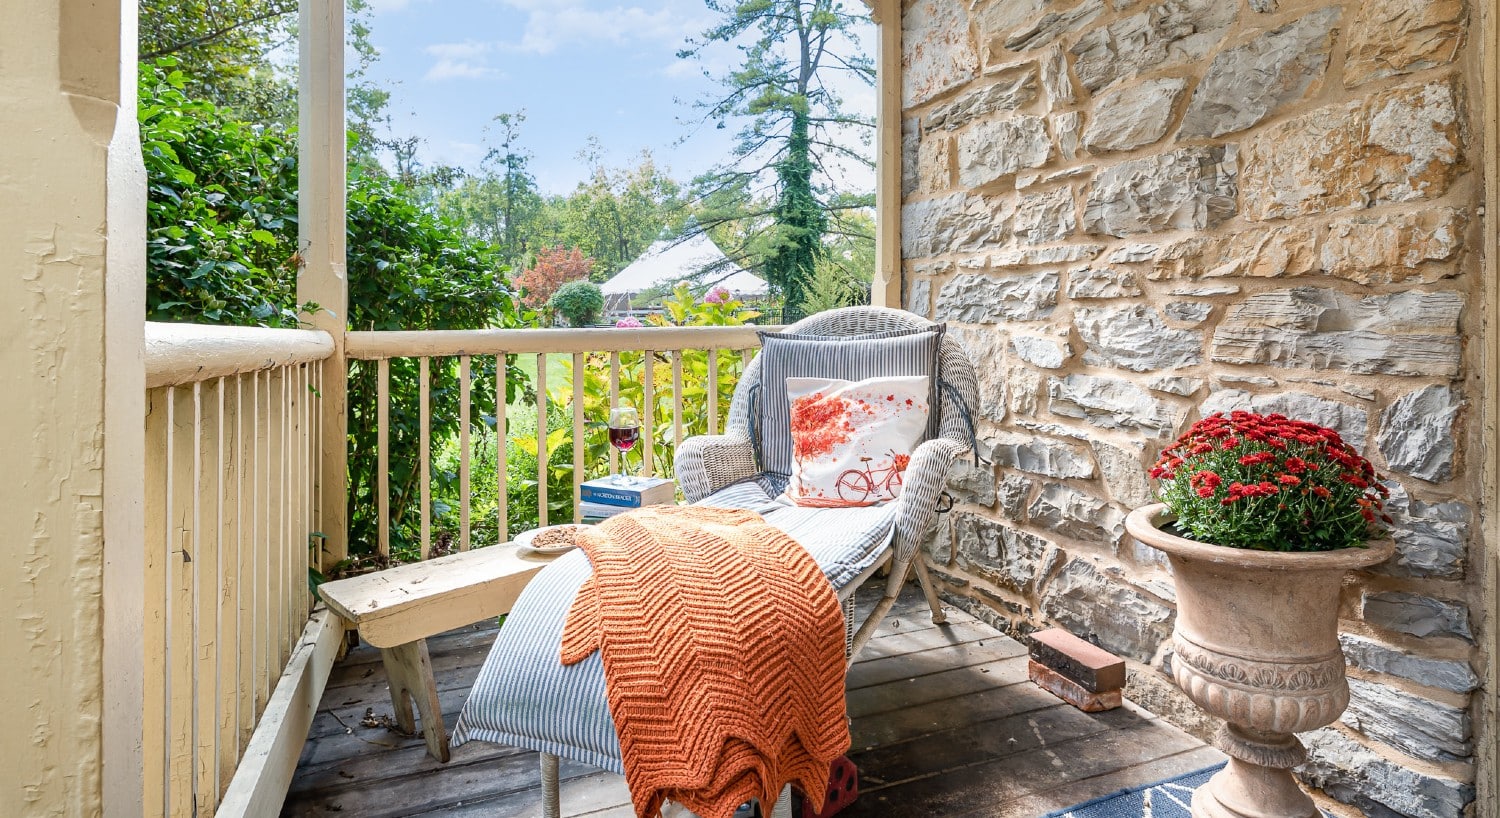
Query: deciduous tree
(554, 267)
(798, 139)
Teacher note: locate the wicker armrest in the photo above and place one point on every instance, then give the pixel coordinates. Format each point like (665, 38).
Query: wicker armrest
(707, 463)
(925, 478)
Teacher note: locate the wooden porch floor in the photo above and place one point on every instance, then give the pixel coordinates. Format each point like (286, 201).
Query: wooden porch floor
(945, 723)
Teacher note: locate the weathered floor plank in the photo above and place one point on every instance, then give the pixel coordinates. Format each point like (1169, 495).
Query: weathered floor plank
(944, 723)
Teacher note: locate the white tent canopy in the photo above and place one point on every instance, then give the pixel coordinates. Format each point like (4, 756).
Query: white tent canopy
(669, 261)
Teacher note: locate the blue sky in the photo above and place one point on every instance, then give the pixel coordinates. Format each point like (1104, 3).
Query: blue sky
(577, 68)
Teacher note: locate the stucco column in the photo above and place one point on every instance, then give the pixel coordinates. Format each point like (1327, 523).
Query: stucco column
(322, 278)
(72, 297)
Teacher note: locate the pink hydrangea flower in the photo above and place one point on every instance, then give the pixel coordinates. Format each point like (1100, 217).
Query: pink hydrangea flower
(629, 322)
(717, 295)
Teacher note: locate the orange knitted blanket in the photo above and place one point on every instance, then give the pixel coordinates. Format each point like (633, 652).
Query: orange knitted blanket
(723, 648)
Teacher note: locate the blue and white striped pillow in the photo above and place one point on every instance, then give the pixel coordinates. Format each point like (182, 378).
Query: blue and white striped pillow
(848, 357)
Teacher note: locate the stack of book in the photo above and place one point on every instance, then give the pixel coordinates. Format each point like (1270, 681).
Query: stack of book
(602, 498)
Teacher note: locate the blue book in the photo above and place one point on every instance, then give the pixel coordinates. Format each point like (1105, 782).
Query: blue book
(645, 491)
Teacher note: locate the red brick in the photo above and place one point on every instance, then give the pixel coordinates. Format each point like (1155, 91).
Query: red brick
(1091, 667)
(1070, 691)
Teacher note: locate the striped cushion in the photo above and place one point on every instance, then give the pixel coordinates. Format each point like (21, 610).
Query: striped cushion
(849, 357)
(526, 697)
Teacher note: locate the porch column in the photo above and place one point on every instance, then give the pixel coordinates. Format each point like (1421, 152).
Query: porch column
(72, 306)
(320, 236)
(885, 290)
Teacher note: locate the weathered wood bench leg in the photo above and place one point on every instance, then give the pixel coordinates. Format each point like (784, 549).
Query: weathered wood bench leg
(551, 788)
(408, 669)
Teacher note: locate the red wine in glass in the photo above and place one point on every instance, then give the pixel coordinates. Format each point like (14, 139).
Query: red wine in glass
(624, 431)
(624, 439)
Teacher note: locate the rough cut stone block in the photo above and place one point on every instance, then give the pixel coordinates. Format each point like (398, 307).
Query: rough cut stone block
(1250, 82)
(1072, 513)
(1185, 189)
(1189, 312)
(1025, 390)
(1056, 81)
(1270, 252)
(1012, 494)
(1417, 433)
(987, 344)
(938, 54)
(978, 299)
(1135, 338)
(1397, 145)
(1135, 116)
(1092, 667)
(1393, 37)
(1008, 91)
(919, 296)
(972, 484)
(1112, 403)
(1417, 726)
(995, 148)
(1431, 538)
(1124, 474)
(1408, 333)
(1355, 774)
(954, 224)
(1052, 25)
(1446, 674)
(1033, 256)
(1395, 249)
(1068, 129)
(934, 164)
(1175, 385)
(1070, 691)
(1043, 352)
(1040, 455)
(1102, 282)
(1165, 34)
(911, 135)
(1107, 612)
(1351, 422)
(1417, 615)
(1046, 217)
(1006, 557)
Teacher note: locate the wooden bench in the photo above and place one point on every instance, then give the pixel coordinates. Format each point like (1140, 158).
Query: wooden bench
(398, 608)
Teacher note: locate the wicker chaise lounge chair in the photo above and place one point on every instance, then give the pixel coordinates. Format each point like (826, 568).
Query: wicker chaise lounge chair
(525, 697)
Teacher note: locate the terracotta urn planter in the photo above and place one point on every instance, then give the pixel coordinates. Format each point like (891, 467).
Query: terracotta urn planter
(1256, 644)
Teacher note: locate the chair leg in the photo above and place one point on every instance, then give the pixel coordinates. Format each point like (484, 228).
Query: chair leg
(551, 792)
(783, 803)
(925, 580)
(408, 671)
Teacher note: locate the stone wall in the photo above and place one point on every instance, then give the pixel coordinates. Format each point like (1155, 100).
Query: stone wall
(1136, 213)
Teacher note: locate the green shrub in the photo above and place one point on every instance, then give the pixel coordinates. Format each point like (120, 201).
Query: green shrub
(580, 302)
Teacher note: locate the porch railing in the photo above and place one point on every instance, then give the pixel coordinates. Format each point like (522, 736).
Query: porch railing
(660, 350)
(232, 504)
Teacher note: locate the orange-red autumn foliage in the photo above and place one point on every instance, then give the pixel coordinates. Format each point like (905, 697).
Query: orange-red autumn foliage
(554, 267)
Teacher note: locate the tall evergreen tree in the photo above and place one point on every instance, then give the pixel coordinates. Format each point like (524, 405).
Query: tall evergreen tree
(799, 138)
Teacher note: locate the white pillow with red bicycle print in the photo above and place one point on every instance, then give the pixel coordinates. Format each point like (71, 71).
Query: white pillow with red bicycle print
(852, 440)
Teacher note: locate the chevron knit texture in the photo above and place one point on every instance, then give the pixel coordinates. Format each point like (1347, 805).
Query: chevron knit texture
(723, 649)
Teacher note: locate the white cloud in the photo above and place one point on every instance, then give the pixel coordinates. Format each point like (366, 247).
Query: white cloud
(555, 24)
(465, 60)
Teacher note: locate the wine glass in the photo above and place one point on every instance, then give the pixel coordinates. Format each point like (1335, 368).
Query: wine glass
(624, 431)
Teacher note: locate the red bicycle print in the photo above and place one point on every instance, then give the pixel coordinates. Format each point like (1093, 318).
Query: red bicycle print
(867, 485)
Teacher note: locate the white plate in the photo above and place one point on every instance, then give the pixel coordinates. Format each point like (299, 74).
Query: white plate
(524, 539)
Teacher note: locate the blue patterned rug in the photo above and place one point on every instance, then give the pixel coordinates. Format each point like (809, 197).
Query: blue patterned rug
(1164, 799)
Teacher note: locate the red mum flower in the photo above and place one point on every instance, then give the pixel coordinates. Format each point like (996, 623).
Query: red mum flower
(1296, 465)
(1288, 480)
(1322, 491)
(1205, 491)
